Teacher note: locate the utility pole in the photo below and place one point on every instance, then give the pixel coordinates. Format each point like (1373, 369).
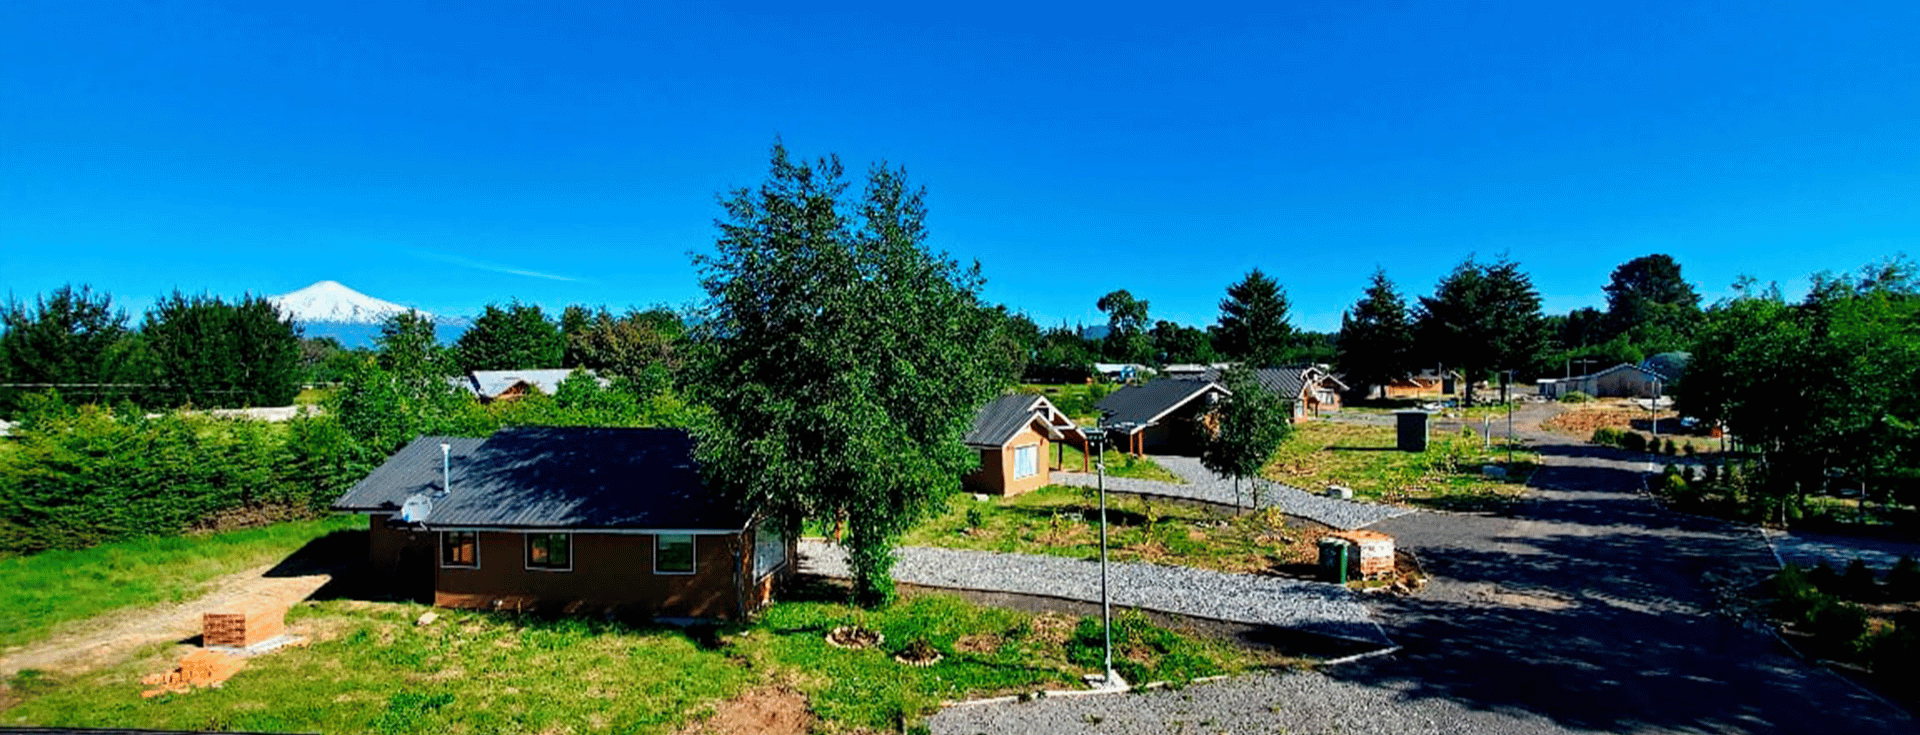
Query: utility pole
(1109, 679)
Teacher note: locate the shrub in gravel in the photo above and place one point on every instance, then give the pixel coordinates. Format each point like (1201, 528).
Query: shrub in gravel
(1670, 448)
(1837, 624)
(1633, 441)
(1606, 436)
(1824, 578)
(1858, 583)
(1576, 397)
(1794, 594)
(1903, 583)
(1895, 658)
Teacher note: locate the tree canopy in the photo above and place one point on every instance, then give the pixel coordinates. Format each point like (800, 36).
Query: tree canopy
(1483, 318)
(839, 359)
(1127, 339)
(515, 337)
(70, 336)
(1651, 304)
(213, 354)
(1254, 325)
(1376, 336)
(1826, 384)
(1253, 423)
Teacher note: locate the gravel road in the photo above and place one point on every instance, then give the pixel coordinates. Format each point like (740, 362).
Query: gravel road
(1585, 609)
(1204, 485)
(1313, 607)
(1808, 549)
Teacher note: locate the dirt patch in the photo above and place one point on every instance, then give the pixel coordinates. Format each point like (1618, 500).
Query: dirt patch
(116, 636)
(978, 643)
(761, 711)
(1053, 627)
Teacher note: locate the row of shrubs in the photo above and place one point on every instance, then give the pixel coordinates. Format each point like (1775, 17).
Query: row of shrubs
(1820, 603)
(1634, 441)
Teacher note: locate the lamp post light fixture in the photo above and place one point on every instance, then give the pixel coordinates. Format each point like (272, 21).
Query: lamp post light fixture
(1098, 440)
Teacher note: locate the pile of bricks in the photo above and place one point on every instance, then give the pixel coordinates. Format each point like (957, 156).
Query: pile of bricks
(202, 668)
(1369, 554)
(252, 623)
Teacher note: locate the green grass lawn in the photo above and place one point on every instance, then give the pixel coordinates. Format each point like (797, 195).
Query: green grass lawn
(41, 591)
(1118, 464)
(312, 396)
(371, 669)
(1447, 475)
(1064, 521)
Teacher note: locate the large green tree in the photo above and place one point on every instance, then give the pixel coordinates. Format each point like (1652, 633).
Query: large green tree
(647, 348)
(1127, 339)
(1179, 343)
(514, 337)
(1253, 423)
(70, 337)
(1651, 304)
(1376, 336)
(214, 354)
(1254, 326)
(839, 359)
(1482, 318)
(1823, 385)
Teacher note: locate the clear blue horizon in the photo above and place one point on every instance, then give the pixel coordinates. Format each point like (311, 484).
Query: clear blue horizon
(446, 157)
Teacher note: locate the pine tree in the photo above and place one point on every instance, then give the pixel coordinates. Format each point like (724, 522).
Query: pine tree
(1376, 336)
(1253, 324)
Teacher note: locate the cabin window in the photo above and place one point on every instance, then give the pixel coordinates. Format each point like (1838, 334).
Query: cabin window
(550, 551)
(1026, 461)
(673, 553)
(769, 549)
(459, 549)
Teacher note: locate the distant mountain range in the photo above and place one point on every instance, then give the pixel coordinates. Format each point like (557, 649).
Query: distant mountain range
(331, 309)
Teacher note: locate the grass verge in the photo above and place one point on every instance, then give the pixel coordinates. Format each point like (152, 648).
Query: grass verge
(1064, 521)
(41, 591)
(1360, 456)
(370, 669)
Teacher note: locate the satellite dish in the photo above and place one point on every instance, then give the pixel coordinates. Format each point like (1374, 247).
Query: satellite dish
(417, 508)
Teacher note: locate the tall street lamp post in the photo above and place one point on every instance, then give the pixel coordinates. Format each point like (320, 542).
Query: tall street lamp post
(1109, 679)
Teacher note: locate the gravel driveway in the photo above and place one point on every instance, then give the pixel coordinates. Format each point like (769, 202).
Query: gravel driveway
(1313, 607)
(1204, 485)
(1585, 609)
(1808, 549)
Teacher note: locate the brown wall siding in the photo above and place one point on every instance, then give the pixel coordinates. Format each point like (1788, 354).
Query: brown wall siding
(611, 572)
(995, 475)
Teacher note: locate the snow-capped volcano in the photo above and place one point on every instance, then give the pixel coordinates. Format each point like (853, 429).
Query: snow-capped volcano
(329, 301)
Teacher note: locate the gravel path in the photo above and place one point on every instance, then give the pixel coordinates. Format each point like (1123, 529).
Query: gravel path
(1313, 607)
(1301, 703)
(1204, 485)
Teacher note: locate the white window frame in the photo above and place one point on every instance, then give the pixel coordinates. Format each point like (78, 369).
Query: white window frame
(476, 551)
(526, 557)
(1034, 470)
(692, 540)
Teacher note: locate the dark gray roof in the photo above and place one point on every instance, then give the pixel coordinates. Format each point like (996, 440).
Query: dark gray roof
(1143, 404)
(1000, 419)
(574, 478)
(1287, 382)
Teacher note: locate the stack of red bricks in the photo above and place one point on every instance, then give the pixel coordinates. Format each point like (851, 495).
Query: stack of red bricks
(1370, 553)
(251, 623)
(201, 668)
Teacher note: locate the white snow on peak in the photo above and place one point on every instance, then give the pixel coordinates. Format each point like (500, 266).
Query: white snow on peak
(329, 301)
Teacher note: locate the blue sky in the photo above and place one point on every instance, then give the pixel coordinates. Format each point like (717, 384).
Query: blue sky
(446, 155)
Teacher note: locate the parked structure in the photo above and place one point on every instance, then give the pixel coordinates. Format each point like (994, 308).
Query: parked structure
(1622, 380)
(1012, 434)
(572, 519)
(504, 385)
(1310, 390)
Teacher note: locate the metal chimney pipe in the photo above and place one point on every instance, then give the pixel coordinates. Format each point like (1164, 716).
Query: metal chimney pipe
(446, 467)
